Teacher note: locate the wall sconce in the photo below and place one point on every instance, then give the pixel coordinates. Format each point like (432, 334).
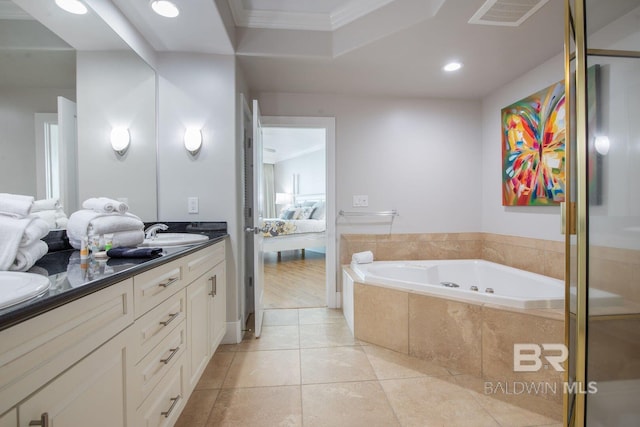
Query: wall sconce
(602, 144)
(120, 140)
(193, 140)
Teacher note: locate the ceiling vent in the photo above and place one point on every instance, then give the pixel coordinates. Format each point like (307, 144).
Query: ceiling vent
(509, 13)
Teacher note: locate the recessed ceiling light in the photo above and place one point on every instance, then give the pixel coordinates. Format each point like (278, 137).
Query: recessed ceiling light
(165, 8)
(452, 66)
(72, 6)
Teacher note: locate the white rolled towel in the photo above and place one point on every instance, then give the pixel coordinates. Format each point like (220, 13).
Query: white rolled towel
(36, 230)
(365, 257)
(11, 234)
(47, 216)
(105, 205)
(45, 205)
(84, 222)
(28, 255)
(15, 205)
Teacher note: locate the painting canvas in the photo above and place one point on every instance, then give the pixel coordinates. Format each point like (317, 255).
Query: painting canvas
(533, 149)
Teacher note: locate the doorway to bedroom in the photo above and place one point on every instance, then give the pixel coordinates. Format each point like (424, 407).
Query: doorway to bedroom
(295, 190)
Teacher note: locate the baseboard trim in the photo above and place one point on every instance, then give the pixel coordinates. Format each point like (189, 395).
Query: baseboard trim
(234, 333)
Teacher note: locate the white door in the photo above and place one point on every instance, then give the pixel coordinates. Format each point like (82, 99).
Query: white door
(258, 206)
(68, 136)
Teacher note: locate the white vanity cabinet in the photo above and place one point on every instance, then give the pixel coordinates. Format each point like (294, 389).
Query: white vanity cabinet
(37, 350)
(121, 356)
(92, 393)
(206, 314)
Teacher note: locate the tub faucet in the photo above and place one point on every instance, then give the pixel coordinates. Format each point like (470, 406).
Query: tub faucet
(150, 232)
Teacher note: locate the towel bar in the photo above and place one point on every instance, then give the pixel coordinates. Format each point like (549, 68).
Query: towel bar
(378, 213)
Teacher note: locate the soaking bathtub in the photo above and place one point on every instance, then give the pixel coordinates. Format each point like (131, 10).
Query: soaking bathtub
(470, 280)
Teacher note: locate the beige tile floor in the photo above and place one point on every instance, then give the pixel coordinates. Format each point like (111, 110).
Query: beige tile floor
(308, 370)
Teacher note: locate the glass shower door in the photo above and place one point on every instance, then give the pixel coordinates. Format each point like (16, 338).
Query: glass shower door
(602, 64)
(613, 192)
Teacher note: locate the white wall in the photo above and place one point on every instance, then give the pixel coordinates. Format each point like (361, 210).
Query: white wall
(311, 170)
(117, 89)
(542, 222)
(199, 90)
(419, 156)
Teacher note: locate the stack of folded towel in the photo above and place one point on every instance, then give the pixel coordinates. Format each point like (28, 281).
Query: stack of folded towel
(102, 216)
(365, 257)
(20, 233)
(50, 210)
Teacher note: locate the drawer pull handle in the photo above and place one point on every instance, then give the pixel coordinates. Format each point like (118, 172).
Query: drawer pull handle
(174, 402)
(171, 318)
(43, 421)
(173, 353)
(214, 285)
(171, 281)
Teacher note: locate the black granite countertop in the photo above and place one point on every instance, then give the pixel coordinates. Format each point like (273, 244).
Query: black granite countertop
(71, 280)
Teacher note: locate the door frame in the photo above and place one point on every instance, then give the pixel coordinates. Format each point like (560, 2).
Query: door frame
(329, 125)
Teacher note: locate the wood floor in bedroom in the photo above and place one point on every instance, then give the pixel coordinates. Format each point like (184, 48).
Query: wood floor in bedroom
(294, 281)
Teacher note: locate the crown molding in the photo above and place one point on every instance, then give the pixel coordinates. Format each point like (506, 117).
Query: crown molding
(355, 9)
(282, 20)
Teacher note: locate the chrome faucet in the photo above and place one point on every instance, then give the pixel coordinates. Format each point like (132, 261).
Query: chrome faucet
(150, 232)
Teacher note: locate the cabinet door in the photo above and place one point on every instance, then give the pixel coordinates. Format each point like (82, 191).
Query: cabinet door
(198, 321)
(91, 393)
(218, 281)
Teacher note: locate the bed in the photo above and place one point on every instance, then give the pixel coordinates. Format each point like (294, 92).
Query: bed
(299, 226)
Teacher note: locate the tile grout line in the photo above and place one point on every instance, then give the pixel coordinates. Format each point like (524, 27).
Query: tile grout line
(220, 389)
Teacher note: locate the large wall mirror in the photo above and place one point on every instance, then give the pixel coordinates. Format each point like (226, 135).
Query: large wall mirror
(66, 82)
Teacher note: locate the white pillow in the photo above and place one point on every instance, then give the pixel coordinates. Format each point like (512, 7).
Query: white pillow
(318, 211)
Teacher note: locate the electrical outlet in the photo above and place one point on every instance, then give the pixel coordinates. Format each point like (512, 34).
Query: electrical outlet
(192, 205)
(360, 201)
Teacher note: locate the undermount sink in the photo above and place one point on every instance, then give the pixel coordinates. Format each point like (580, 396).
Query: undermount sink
(17, 287)
(174, 239)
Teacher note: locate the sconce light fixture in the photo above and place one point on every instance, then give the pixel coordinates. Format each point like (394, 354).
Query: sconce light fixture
(72, 6)
(193, 140)
(120, 140)
(602, 144)
(165, 8)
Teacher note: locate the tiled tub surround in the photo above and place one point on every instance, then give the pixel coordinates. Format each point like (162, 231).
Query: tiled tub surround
(614, 270)
(544, 257)
(475, 339)
(471, 338)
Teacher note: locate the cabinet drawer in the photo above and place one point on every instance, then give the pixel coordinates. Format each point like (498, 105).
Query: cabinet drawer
(159, 361)
(154, 286)
(154, 326)
(167, 400)
(33, 352)
(202, 261)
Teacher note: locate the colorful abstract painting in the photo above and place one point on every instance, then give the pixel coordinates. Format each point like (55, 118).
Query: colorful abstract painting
(533, 149)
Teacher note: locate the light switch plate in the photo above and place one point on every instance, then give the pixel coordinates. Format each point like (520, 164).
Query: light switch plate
(361, 201)
(192, 205)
